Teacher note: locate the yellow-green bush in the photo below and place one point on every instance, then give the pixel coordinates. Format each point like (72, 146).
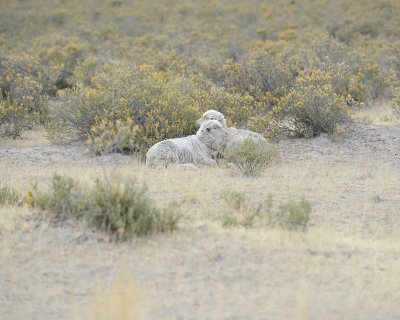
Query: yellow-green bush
(14, 119)
(157, 107)
(311, 107)
(110, 137)
(22, 96)
(237, 108)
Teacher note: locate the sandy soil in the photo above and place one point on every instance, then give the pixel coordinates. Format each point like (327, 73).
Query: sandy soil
(346, 266)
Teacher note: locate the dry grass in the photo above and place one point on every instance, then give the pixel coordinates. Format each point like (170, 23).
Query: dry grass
(28, 139)
(378, 114)
(343, 267)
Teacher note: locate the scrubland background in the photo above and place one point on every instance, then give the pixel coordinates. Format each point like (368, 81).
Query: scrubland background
(88, 86)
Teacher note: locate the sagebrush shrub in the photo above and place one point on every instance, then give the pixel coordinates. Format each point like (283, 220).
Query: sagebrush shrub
(123, 208)
(250, 157)
(110, 137)
(14, 119)
(157, 107)
(237, 108)
(22, 95)
(310, 108)
(120, 207)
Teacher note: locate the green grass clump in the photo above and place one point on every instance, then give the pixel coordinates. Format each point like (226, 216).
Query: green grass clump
(120, 207)
(10, 197)
(250, 157)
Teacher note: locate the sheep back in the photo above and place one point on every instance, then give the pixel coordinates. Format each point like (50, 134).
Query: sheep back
(239, 135)
(179, 150)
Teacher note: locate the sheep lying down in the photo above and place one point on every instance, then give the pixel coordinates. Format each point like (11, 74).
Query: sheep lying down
(235, 135)
(199, 149)
(239, 135)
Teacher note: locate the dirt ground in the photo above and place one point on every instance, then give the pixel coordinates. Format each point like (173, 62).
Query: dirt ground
(346, 266)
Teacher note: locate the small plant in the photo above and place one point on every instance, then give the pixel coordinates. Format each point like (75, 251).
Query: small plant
(292, 215)
(395, 103)
(250, 157)
(10, 197)
(120, 207)
(63, 200)
(242, 214)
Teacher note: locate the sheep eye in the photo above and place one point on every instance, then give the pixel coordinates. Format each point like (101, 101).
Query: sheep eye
(208, 129)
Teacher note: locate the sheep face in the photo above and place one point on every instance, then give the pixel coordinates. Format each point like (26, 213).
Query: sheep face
(212, 134)
(213, 115)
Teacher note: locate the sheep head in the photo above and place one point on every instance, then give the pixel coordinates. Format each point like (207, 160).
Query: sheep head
(212, 134)
(212, 115)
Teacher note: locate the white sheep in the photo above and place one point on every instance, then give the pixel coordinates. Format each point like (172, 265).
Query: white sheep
(201, 148)
(235, 135)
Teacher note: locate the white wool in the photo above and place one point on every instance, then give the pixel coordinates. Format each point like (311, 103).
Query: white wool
(213, 115)
(201, 148)
(235, 135)
(239, 135)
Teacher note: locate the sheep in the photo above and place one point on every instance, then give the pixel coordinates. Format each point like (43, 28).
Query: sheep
(201, 148)
(235, 135)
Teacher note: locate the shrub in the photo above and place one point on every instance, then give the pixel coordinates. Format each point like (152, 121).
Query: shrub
(122, 208)
(262, 76)
(14, 119)
(237, 108)
(119, 207)
(310, 108)
(156, 105)
(10, 197)
(119, 136)
(22, 96)
(250, 157)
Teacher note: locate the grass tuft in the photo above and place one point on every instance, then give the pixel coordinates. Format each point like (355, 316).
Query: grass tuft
(251, 157)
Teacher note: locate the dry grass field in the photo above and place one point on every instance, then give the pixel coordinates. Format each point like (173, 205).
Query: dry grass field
(87, 87)
(345, 266)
